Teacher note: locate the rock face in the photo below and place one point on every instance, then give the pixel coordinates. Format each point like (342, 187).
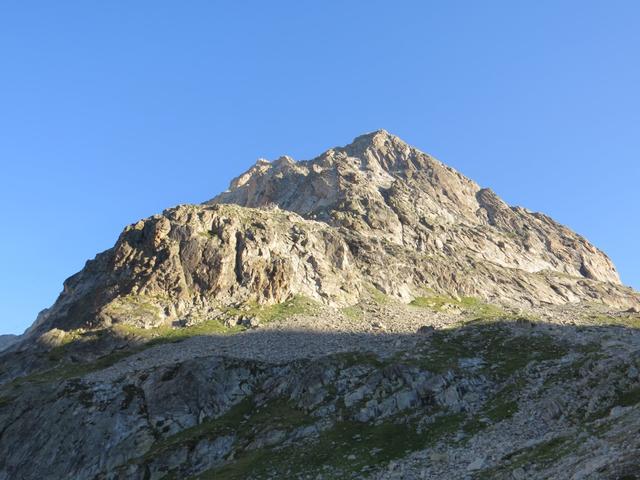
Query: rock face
(381, 187)
(188, 262)
(376, 213)
(7, 340)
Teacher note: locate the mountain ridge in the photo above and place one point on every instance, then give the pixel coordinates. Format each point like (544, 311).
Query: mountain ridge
(376, 212)
(379, 154)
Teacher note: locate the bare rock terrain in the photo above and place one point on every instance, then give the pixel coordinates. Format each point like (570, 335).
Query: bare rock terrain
(370, 313)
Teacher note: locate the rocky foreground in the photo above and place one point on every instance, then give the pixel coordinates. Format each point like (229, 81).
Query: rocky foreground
(370, 314)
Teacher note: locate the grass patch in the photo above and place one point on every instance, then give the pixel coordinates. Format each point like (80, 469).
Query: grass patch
(354, 312)
(166, 334)
(298, 305)
(148, 337)
(4, 401)
(508, 355)
(503, 404)
(623, 320)
(243, 421)
(503, 410)
(543, 453)
(347, 448)
(571, 371)
(205, 234)
(628, 398)
(136, 307)
(503, 353)
(473, 425)
(470, 305)
(351, 359)
(58, 353)
(378, 296)
(68, 371)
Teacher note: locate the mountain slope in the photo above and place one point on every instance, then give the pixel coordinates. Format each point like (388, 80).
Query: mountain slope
(368, 314)
(376, 213)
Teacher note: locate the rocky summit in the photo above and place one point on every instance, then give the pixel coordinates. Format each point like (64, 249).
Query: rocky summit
(367, 314)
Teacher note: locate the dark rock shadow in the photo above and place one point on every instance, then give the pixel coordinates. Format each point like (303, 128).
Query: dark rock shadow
(500, 396)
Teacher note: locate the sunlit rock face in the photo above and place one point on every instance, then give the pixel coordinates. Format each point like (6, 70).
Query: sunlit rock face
(378, 186)
(377, 212)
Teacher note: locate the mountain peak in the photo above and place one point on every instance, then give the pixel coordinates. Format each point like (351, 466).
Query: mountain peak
(378, 186)
(377, 140)
(370, 226)
(375, 136)
(375, 212)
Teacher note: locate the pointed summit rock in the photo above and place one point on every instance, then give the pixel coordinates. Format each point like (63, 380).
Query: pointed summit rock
(380, 186)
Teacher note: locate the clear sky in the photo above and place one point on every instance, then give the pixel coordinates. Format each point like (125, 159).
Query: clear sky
(113, 111)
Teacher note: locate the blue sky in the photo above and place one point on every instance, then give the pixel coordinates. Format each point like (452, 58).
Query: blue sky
(113, 111)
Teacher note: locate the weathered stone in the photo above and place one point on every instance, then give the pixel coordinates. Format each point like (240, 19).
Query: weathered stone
(371, 213)
(369, 226)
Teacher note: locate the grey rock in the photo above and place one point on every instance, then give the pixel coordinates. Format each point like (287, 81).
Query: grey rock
(371, 213)
(371, 226)
(451, 397)
(7, 340)
(477, 464)
(518, 474)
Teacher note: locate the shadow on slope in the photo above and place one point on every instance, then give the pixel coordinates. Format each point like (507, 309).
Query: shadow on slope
(292, 403)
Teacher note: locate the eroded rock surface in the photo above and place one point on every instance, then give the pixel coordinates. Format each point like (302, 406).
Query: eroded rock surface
(379, 186)
(371, 313)
(377, 213)
(495, 400)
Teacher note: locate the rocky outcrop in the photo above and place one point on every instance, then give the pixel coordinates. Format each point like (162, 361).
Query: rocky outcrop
(7, 340)
(191, 262)
(380, 186)
(495, 399)
(374, 214)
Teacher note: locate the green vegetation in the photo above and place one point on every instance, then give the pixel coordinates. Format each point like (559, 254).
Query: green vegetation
(571, 371)
(4, 401)
(473, 425)
(350, 359)
(504, 356)
(354, 312)
(541, 454)
(378, 296)
(626, 320)
(474, 307)
(508, 355)
(502, 352)
(166, 334)
(140, 338)
(65, 371)
(630, 397)
(298, 305)
(205, 234)
(502, 410)
(347, 447)
(68, 339)
(244, 421)
(501, 406)
(622, 398)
